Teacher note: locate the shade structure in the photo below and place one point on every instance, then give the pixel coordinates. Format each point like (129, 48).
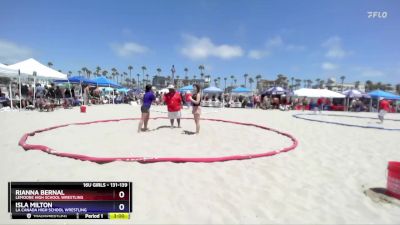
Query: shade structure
(241, 90)
(353, 93)
(7, 72)
(383, 94)
(123, 90)
(186, 88)
(104, 82)
(317, 93)
(76, 80)
(212, 90)
(134, 91)
(108, 89)
(31, 66)
(275, 91)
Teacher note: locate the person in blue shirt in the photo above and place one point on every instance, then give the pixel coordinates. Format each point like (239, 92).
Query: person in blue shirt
(148, 98)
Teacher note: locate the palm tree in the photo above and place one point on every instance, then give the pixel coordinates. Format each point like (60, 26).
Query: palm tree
(138, 82)
(321, 83)
(298, 82)
(116, 75)
(127, 81)
(88, 72)
(125, 74)
(232, 77)
(50, 64)
(258, 77)
(143, 69)
(251, 81)
(398, 88)
(79, 72)
(147, 78)
(245, 79)
(104, 73)
(60, 71)
(235, 80)
(186, 71)
(225, 78)
(317, 81)
(292, 79)
(201, 68)
(215, 82)
(130, 68)
(114, 71)
(84, 70)
(98, 70)
(158, 71)
(194, 78)
(69, 73)
(342, 79)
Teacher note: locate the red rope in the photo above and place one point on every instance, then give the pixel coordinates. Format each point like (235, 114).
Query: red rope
(46, 149)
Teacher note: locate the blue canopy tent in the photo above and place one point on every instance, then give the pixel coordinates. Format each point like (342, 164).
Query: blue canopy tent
(76, 80)
(212, 90)
(109, 89)
(241, 90)
(123, 90)
(104, 82)
(383, 94)
(186, 88)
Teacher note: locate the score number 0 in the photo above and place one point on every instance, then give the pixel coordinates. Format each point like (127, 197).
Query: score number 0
(121, 206)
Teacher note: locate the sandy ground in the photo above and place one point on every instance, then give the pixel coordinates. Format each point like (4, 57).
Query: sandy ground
(320, 182)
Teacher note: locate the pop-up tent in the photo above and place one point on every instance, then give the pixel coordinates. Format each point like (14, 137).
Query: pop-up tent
(317, 93)
(31, 66)
(76, 80)
(241, 90)
(5, 71)
(186, 88)
(383, 94)
(104, 82)
(212, 90)
(37, 70)
(355, 94)
(275, 91)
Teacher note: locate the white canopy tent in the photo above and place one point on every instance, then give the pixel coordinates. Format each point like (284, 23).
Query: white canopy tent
(36, 69)
(317, 93)
(5, 71)
(31, 66)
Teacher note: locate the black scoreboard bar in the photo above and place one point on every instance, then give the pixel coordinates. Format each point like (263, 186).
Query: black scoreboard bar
(70, 200)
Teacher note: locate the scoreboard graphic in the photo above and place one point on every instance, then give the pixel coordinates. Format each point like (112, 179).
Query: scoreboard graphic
(70, 200)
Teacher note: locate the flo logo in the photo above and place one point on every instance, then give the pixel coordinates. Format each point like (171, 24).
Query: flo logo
(377, 14)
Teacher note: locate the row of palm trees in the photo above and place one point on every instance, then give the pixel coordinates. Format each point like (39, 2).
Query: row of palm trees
(281, 80)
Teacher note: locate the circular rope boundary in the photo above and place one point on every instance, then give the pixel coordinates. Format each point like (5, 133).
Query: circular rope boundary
(298, 116)
(49, 150)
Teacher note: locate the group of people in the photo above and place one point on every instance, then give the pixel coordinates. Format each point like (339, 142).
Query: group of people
(173, 100)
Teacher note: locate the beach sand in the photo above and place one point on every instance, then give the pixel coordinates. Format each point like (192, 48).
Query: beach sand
(321, 182)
